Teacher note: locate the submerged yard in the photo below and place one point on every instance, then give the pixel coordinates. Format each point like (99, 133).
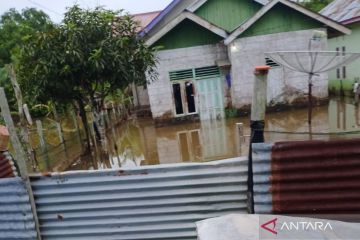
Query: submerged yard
(138, 142)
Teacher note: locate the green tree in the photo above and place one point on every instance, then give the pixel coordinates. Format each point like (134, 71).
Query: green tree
(15, 28)
(315, 5)
(90, 55)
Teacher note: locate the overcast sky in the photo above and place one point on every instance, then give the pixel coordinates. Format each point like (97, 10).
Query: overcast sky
(56, 8)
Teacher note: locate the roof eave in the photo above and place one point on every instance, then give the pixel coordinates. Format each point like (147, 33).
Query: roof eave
(186, 15)
(327, 21)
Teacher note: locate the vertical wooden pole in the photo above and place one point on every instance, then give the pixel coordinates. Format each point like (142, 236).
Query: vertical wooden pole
(240, 136)
(28, 147)
(114, 111)
(119, 110)
(109, 123)
(257, 123)
(76, 125)
(24, 133)
(43, 146)
(20, 155)
(103, 131)
(60, 133)
(27, 114)
(61, 137)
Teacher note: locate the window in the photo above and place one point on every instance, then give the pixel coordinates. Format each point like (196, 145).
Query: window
(343, 51)
(178, 99)
(269, 62)
(337, 51)
(338, 73)
(344, 72)
(183, 86)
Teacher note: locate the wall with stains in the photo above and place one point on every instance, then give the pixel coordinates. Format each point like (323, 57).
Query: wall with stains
(160, 91)
(141, 96)
(284, 86)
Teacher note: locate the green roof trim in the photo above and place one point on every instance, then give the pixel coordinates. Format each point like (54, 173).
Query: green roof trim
(187, 34)
(281, 18)
(228, 14)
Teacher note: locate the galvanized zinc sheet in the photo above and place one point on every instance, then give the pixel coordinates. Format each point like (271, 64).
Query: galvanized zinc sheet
(342, 10)
(7, 168)
(16, 218)
(307, 177)
(151, 202)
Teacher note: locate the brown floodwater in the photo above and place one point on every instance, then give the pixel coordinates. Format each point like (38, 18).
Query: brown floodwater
(138, 142)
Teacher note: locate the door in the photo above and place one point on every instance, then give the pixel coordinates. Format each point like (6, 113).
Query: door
(184, 98)
(210, 95)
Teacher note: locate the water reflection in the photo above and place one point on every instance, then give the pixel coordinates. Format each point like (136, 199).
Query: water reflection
(138, 142)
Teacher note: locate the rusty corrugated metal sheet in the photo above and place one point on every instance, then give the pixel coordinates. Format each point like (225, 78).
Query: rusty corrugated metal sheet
(145, 18)
(307, 177)
(150, 202)
(342, 10)
(16, 218)
(7, 168)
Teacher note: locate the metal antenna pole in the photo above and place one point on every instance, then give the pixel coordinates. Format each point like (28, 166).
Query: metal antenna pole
(310, 99)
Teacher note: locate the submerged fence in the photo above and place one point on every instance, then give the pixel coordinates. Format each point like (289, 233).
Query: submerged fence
(150, 202)
(165, 201)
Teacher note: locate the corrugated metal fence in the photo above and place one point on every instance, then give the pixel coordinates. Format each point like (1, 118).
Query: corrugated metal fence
(309, 177)
(16, 218)
(152, 202)
(7, 168)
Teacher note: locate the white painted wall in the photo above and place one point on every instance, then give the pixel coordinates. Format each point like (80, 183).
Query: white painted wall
(284, 85)
(160, 91)
(141, 96)
(351, 42)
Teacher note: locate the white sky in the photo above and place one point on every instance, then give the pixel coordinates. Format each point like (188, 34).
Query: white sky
(56, 8)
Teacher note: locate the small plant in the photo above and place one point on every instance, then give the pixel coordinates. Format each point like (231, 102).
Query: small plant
(231, 112)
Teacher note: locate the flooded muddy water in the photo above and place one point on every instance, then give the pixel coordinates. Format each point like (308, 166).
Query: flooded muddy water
(139, 142)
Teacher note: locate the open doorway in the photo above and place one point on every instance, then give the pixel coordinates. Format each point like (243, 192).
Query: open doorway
(178, 99)
(184, 98)
(190, 97)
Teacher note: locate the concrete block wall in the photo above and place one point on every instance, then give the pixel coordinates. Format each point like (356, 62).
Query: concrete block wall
(141, 96)
(284, 85)
(160, 91)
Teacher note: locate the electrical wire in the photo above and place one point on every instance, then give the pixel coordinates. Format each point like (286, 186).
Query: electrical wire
(43, 7)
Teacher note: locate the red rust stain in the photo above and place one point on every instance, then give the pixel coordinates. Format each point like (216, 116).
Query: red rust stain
(316, 177)
(123, 173)
(46, 174)
(6, 167)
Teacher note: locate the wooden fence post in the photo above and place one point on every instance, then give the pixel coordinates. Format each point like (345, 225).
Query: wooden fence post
(240, 136)
(20, 155)
(76, 124)
(114, 112)
(43, 146)
(61, 137)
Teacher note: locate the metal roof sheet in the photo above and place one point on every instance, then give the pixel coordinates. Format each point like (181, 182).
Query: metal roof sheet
(307, 177)
(342, 10)
(145, 18)
(16, 218)
(7, 168)
(150, 202)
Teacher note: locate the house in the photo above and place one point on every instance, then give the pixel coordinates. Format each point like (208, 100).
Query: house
(347, 12)
(210, 48)
(140, 94)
